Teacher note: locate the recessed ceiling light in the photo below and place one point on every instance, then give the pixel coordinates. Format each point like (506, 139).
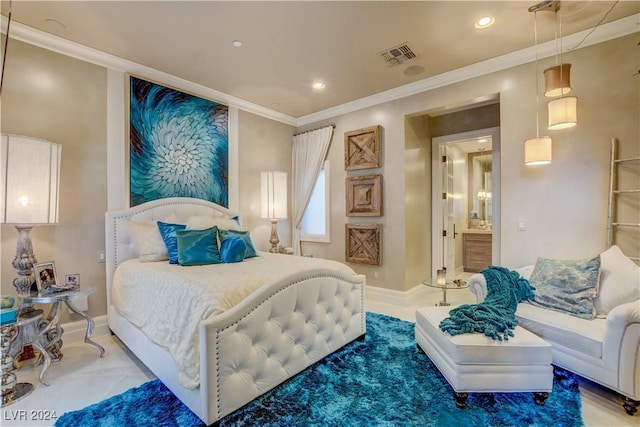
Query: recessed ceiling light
(484, 22)
(318, 85)
(236, 43)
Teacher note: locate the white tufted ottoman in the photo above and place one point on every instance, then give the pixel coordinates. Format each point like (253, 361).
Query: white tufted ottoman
(477, 363)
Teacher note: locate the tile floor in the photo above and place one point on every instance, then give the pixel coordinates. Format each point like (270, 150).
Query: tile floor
(82, 378)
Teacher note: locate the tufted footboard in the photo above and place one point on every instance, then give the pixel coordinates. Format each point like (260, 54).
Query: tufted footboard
(278, 332)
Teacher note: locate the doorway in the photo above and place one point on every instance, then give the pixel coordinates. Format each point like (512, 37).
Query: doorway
(466, 202)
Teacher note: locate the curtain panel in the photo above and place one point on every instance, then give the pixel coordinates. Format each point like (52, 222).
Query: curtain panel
(309, 151)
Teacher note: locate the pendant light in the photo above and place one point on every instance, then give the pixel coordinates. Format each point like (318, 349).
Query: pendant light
(537, 151)
(563, 110)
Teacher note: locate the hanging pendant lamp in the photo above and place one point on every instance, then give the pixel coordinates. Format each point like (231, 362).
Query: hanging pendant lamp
(537, 151)
(563, 110)
(562, 113)
(557, 80)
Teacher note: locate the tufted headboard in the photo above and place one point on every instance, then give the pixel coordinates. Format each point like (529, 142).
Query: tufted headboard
(118, 243)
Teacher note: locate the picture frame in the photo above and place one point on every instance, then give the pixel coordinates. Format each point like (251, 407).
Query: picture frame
(364, 195)
(72, 281)
(363, 243)
(45, 274)
(362, 148)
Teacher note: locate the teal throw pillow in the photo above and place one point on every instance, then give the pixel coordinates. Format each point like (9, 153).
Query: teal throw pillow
(251, 250)
(566, 285)
(198, 247)
(233, 249)
(168, 233)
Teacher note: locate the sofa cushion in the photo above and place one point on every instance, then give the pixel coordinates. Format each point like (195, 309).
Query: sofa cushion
(583, 335)
(567, 285)
(619, 283)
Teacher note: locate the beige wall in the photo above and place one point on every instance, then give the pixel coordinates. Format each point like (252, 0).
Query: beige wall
(563, 204)
(54, 97)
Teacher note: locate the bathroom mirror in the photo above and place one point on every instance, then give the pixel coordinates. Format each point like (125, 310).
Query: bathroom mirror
(480, 197)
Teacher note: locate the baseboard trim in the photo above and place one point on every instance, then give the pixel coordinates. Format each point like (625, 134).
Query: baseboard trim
(74, 331)
(398, 298)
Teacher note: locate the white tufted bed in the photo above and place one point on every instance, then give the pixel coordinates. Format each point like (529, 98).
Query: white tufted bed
(285, 325)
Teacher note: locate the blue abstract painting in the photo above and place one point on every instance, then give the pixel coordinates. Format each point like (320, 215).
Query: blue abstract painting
(179, 145)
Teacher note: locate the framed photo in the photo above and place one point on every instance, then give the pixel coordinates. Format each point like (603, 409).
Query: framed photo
(362, 148)
(72, 281)
(363, 243)
(46, 277)
(364, 195)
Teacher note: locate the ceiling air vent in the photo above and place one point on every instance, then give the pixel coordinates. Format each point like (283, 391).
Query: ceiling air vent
(398, 55)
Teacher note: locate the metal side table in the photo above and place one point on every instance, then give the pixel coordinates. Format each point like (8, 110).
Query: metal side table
(48, 340)
(455, 284)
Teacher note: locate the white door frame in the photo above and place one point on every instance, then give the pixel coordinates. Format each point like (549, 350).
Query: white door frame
(436, 185)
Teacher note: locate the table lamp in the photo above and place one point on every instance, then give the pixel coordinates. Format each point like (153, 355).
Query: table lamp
(30, 170)
(274, 204)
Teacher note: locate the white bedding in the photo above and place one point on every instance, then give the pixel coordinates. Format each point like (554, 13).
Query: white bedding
(168, 302)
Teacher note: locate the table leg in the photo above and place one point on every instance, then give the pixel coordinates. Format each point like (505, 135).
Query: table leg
(51, 321)
(90, 324)
(444, 302)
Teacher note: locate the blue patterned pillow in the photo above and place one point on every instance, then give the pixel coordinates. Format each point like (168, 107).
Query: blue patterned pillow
(233, 249)
(566, 285)
(168, 233)
(251, 250)
(198, 247)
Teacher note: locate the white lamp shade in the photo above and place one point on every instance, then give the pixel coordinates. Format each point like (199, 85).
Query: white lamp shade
(563, 113)
(537, 151)
(30, 170)
(273, 187)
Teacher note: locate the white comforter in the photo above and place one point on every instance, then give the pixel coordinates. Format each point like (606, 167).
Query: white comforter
(168, 302)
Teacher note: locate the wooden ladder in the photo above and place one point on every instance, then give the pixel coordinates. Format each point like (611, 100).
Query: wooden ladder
(613, 224)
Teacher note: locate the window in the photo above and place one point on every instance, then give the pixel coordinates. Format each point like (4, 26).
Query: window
(315, 222)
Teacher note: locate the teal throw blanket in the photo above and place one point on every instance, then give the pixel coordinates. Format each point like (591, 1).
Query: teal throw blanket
(495, 316)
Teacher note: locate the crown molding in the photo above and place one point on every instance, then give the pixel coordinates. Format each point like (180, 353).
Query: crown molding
(75, 50)
(612, 30)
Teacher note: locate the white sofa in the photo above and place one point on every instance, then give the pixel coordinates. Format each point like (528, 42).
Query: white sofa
(605, 349)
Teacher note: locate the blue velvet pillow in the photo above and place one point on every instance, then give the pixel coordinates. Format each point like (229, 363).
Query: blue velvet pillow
(566, 285)
(198, 247)
(168, 233)
(233, 249)
(251, 250)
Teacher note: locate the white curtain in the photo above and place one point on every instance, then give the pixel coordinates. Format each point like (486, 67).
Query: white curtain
(309, 152)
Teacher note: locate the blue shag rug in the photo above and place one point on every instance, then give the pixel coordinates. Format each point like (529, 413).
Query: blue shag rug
(381, 381)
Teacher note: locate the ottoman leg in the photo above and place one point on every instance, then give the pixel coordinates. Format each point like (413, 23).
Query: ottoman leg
(420, 350)
(461, 399)
(629, 405)
(540, 397)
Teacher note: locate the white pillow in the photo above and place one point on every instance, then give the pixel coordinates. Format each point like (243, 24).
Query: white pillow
(148, 240)
(204, 222)
(619, 281)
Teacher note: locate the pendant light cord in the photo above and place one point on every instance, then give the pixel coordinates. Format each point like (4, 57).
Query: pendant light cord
(535, 44)
(597, 25)
(6, 43)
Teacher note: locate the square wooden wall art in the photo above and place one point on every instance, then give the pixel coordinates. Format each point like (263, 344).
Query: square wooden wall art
(364, 195)
(362, 148)
(363, 243)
